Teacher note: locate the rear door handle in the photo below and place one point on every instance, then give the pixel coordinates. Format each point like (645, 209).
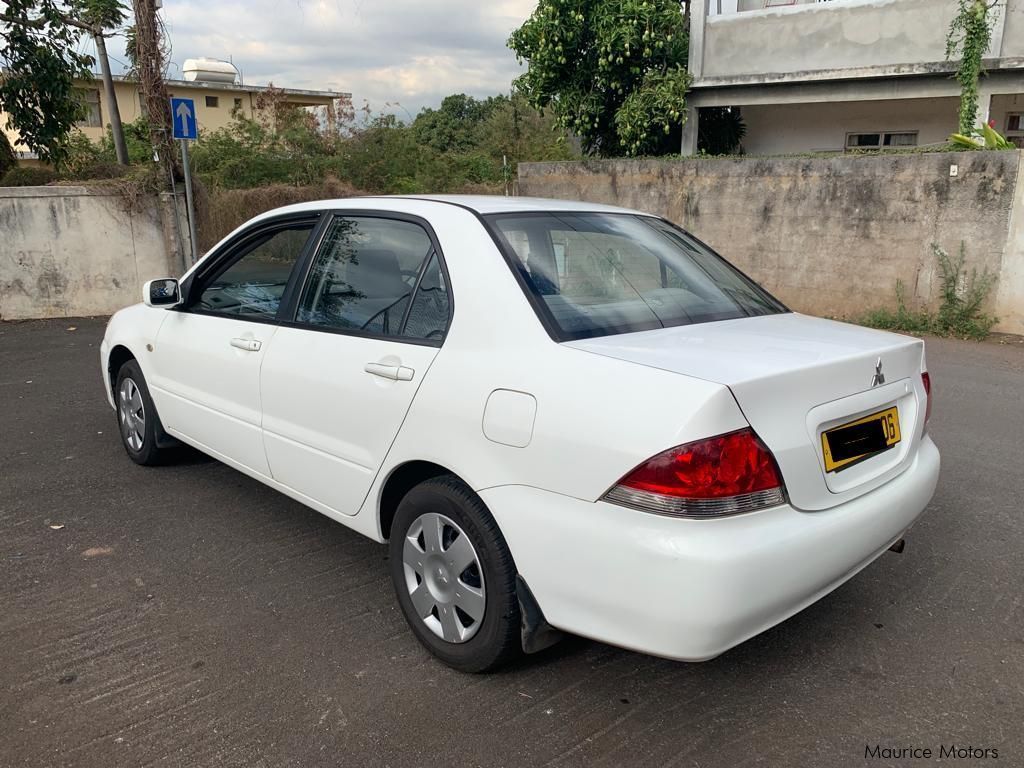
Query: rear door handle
(249, 345)
(395, 372)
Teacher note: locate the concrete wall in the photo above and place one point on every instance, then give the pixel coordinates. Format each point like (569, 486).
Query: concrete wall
(841, 34)
(1012, 42)
(72, 251)
(828, 236)
(783, 128)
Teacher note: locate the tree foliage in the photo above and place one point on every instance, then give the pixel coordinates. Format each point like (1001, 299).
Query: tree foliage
(378, 153)
(612, 71)
(41, 63)
(970, 34)
(7, 157)
(453, 125)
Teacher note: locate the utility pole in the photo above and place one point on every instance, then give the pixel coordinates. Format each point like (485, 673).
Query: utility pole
(108, 87)
(151, 83)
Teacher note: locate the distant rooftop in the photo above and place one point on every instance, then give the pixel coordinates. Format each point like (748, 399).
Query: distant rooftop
(201, 84)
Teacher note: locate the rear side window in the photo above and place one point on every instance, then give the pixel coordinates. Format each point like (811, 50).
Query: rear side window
(428, 315)
(253, 284)
(377, 276)
(595, 274)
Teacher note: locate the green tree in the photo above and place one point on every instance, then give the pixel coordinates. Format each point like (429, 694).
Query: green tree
(41, 62)
(970, 34)
(516, 130)
(612, 71)
(7, 157)
(453, 126)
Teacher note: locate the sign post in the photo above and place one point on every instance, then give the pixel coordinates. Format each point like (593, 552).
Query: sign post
(183, 119)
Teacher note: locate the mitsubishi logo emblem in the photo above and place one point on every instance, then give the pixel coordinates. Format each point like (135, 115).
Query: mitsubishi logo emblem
(879, 377)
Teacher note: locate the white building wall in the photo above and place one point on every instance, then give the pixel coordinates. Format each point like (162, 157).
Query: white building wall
(788, 128)
(812, 40)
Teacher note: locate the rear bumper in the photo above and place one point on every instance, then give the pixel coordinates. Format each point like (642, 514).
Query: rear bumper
(692, 589)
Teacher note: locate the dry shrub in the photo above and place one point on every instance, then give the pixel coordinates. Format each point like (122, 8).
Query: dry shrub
(478, 188)
(222, 210)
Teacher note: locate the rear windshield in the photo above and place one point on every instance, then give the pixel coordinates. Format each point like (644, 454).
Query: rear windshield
(597, 274)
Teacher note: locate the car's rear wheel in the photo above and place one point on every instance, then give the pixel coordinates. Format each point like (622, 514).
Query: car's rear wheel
(454, 576)
(137, 419)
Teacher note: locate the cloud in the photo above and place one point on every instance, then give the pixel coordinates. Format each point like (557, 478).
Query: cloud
(406, 52)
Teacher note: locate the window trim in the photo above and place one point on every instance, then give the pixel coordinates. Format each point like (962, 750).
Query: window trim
(289, 314)
(540, 309)
(232, 251)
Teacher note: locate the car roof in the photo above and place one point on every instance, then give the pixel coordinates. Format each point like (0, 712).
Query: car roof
(501, 204)
(482, 204)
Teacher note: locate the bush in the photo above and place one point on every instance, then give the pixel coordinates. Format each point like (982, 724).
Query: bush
(960, 312)
(8, 159)
(222, 210)
(28, 176)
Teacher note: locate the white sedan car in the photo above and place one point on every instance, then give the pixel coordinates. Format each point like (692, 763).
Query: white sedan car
(562, 417)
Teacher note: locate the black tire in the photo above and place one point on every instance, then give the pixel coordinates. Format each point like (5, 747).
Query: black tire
(496, 641)
(148, 453)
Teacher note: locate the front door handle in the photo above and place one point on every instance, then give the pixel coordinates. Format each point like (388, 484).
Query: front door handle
(249, 345)
(395, 372)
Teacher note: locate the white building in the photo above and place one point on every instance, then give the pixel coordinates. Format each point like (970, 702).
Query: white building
(834, 75)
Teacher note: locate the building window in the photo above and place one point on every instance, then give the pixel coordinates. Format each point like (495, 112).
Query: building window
(1015, 129)
(238, 103)
(90, 98)
(880, 140)
(212, 101)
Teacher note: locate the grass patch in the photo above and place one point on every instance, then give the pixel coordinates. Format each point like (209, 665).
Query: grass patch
(960, 313)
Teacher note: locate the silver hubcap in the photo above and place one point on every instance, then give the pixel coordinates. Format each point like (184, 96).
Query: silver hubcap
(131, 414)
(444, 577)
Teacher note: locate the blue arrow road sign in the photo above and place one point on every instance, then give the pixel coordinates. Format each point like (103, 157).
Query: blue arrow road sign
(183, 116)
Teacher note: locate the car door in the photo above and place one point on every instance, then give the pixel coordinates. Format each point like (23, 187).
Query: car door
(341, 374)
(207, 354)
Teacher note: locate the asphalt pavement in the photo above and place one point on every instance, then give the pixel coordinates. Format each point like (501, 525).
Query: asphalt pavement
(189, 616)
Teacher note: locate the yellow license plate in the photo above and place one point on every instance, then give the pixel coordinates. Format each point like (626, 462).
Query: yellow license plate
(849, 443)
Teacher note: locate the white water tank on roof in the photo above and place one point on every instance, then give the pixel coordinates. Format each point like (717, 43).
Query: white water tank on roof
(209, 70)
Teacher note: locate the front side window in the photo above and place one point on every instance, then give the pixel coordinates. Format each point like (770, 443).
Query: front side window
(595, 274)
(377, 276)
(252, 286)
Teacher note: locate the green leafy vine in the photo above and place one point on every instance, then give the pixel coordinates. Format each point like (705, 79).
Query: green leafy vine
(970, 34)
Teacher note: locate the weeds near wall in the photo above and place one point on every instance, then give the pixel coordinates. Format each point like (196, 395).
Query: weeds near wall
(960, 312)
(220, 210)
(136, 186)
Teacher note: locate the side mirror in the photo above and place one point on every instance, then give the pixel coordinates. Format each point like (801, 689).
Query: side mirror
(164, 292)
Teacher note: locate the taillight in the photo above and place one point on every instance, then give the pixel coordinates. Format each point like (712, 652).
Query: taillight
(723, 475)
(927, 381)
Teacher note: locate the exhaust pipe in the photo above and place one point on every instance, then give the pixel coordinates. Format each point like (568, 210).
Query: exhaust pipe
(898, 546)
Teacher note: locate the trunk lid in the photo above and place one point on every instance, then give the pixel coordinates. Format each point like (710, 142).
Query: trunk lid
(794, 377)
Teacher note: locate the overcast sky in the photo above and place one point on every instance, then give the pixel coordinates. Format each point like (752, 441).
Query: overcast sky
(413, 52)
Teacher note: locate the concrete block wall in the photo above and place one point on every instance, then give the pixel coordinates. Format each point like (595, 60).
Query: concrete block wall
(829, 236)
(73, 251)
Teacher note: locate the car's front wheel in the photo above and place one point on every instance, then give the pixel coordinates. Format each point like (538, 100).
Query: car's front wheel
(454, 576)
(137, 419)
